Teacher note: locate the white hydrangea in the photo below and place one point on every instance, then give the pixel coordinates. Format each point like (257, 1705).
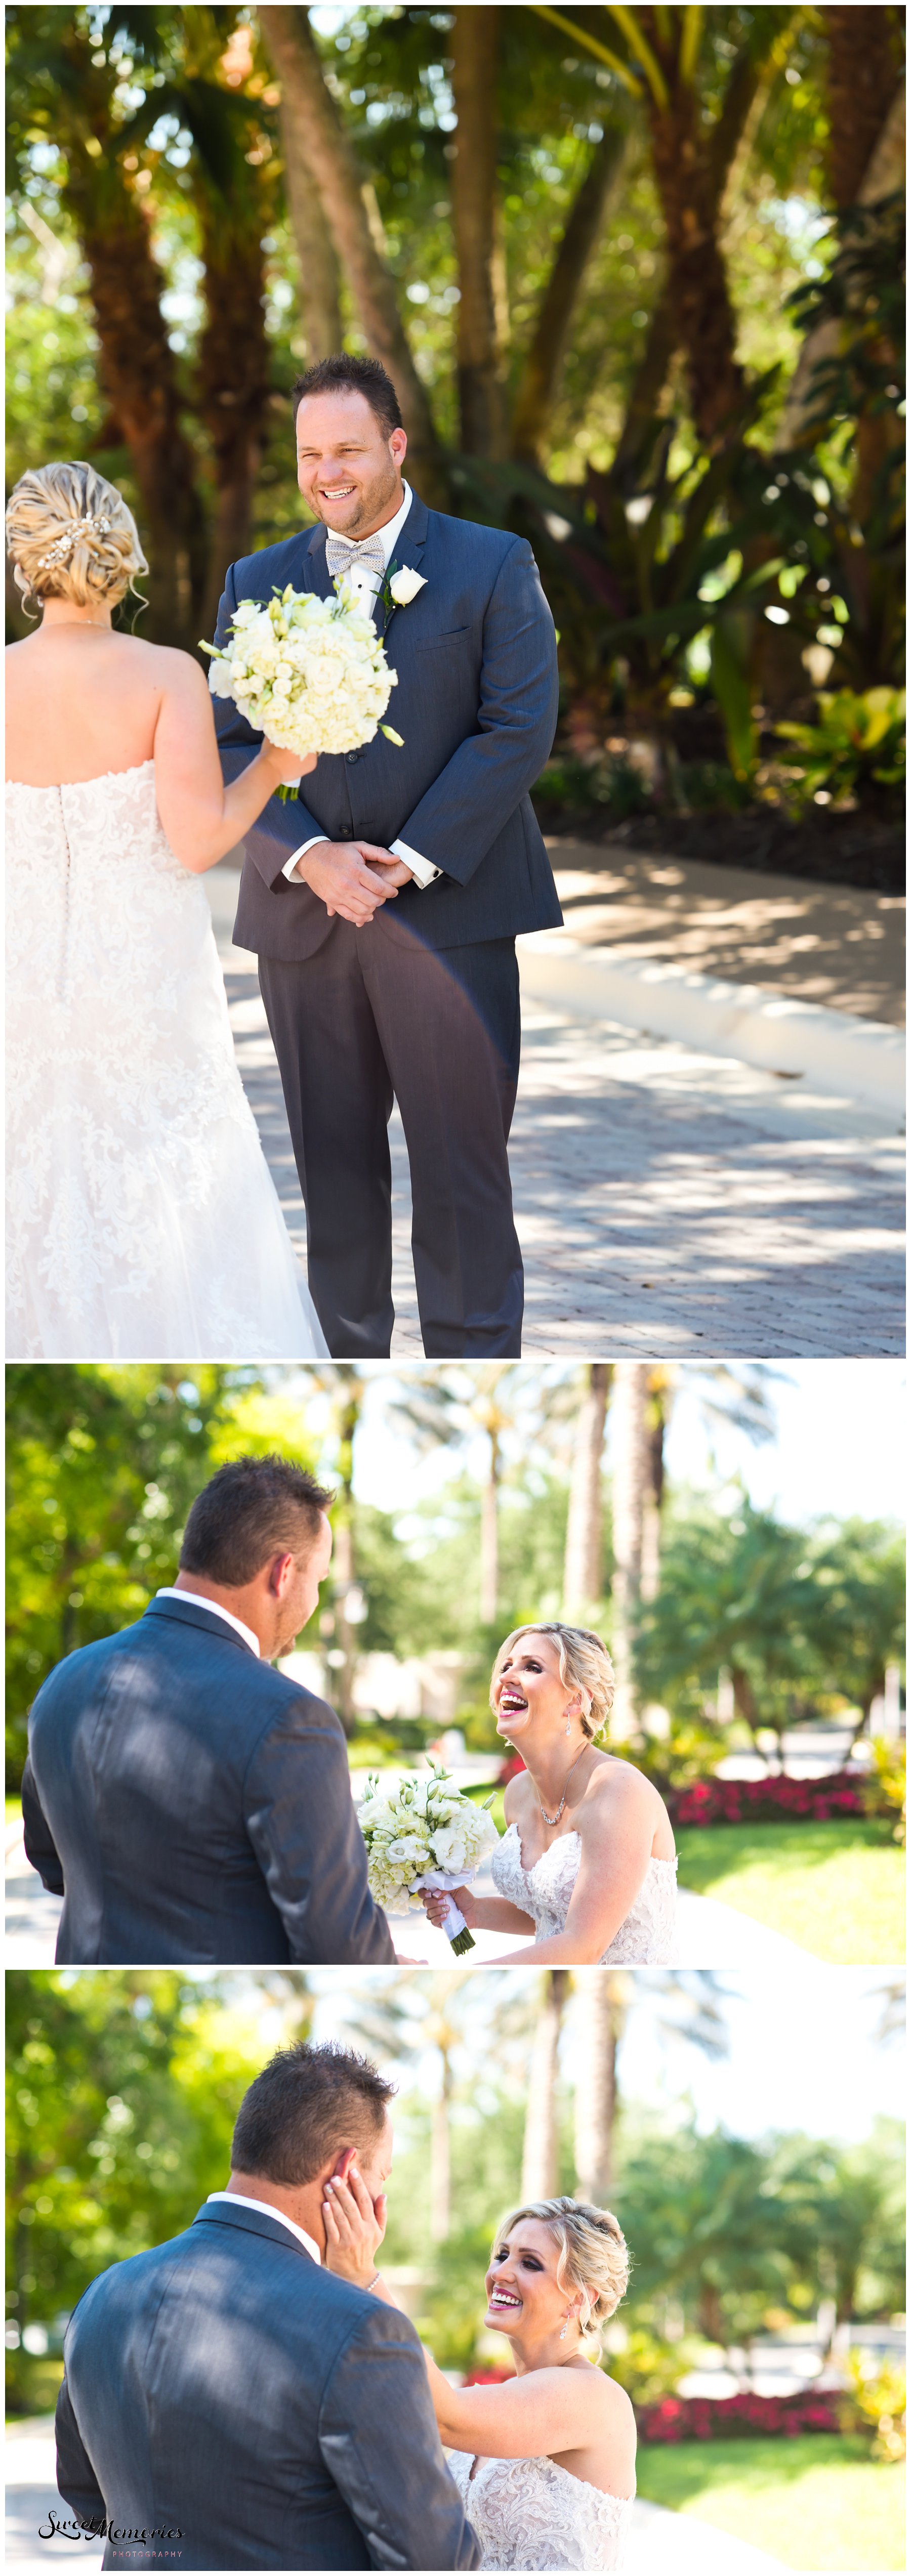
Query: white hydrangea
(422, 1831)
(309, 673)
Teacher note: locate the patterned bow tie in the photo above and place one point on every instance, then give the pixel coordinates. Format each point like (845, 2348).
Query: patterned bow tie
(342, 554)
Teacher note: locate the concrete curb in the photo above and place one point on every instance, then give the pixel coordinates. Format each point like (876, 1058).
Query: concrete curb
(856, 1059)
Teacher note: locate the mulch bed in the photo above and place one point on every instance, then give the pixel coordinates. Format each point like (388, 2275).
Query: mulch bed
(833, 849)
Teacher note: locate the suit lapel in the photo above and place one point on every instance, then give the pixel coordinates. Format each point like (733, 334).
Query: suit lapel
(408, 550)
(315, 568)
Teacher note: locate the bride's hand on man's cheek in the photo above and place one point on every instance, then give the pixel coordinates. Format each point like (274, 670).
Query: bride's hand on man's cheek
(355, 2226)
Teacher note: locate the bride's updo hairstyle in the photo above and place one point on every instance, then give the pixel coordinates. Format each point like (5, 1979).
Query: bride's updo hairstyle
(70, 536)
(585, 1666)
(594, 2258)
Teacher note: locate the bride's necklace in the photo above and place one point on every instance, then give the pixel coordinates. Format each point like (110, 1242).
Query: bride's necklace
(554, 1820)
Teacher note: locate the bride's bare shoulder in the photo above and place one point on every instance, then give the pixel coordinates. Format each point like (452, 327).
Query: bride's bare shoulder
(172, 672)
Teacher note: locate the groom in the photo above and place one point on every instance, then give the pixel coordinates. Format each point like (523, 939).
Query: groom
(190, 1803)
(232, 2404)
(385, 901)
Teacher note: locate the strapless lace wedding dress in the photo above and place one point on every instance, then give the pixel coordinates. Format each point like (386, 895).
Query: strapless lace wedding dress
(532, 2514)
(646, 1938)
(143, 1221)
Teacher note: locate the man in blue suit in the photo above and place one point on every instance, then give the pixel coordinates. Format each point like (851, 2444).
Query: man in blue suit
(187, 1800)
(229, 2402)
(384, 905)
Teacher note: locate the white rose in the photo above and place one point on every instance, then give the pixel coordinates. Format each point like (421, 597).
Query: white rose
(405, 585)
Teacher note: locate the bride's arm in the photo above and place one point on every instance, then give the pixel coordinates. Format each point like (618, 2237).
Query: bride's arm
(200, 817)
(482, 1913)
(544, 2411)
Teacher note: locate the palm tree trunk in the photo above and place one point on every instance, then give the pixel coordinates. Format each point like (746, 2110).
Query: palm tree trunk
(440, 2203)
(697, 281)
(863, 77)
(582, 1573)
(319, 275)
(601, 2005)
(475, 47)
(234, 370)
(138, 373)
(323, 140)
(884, 173)
(540, 2157)
(630, 1470)
(490, 1538)
(747, 87)
(540, 378)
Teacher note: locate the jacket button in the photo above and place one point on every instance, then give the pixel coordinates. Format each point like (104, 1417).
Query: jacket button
(352, 755)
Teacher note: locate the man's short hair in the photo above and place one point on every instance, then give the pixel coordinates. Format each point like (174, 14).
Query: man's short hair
(344, 375)
(253, 1510)
(308, 2105)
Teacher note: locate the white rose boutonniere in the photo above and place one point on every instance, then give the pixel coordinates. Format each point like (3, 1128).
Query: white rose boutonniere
(404, 586)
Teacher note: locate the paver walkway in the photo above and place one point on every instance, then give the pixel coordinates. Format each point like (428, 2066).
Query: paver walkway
(661, 2543)
(710, 1935)
(662, 1197)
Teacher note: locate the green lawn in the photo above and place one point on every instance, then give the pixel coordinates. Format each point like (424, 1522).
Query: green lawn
(817, 2502)
(836, 1888)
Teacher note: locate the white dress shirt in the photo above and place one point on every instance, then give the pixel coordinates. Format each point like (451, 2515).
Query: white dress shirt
(365, 579)
(178, 1592)
(240, 2201)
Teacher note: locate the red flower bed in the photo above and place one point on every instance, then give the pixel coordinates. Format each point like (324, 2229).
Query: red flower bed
(486, 2378)
(737, 1802)
(711, 2419)
(509, 1770)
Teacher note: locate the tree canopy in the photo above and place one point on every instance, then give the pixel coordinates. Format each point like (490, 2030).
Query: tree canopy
(620, 263)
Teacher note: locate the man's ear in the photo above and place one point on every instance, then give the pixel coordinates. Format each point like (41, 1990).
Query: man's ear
(344, 2162)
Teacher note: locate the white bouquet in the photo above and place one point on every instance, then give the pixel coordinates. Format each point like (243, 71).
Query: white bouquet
(309, 673)
(423, 1833)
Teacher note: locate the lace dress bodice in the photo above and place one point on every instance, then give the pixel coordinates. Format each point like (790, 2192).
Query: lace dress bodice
(646, 1938)
(143, 1220)
(532, 2514)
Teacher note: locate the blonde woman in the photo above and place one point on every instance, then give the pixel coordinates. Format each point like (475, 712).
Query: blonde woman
(587, 1866)
(143, 1222)
(545, 2464)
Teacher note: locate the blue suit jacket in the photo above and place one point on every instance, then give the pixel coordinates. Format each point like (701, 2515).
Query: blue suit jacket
(225, 2387)
(476, 705)
(190, 1803)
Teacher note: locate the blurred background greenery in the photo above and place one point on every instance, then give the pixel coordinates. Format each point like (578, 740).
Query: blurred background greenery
(735, 1634)
(637, 275)
(758, 2248)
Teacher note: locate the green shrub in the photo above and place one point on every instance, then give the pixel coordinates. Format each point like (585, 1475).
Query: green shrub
(859, 742)
(887, 1782)
(879, 2402)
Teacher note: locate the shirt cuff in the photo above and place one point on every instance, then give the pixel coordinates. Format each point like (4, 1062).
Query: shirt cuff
(423, 870)
(290, 865)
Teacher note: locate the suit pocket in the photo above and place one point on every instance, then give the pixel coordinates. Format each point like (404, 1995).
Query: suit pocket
(450, 636)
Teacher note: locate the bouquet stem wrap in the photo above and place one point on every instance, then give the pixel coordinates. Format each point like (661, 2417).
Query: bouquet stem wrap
(454, 1924)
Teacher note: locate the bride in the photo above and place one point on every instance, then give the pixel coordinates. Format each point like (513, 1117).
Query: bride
(545, 2464)
(143, 1221)
(587, 1863)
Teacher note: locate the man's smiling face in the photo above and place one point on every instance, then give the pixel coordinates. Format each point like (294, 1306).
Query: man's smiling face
(348, 468)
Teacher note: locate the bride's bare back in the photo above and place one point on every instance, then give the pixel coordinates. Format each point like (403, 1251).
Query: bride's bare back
(84, 702)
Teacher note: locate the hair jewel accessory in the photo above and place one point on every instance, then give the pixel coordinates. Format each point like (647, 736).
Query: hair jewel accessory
(61, 550)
